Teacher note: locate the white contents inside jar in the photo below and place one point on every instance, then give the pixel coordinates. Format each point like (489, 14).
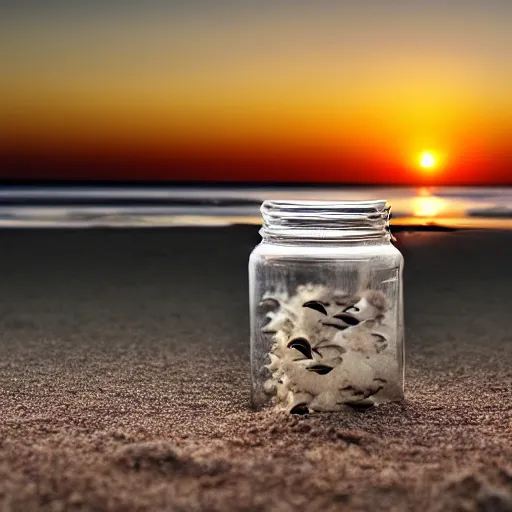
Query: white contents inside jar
(329, 349)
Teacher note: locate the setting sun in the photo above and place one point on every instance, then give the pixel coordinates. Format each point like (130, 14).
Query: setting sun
(427, 160)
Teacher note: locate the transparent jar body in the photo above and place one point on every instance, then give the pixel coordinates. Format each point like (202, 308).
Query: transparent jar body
(326, 308)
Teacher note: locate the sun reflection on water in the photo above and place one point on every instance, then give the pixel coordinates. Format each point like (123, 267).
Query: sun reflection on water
(427, 206)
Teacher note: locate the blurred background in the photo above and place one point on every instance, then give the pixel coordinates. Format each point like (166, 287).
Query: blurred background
(399, 91)
(203, 92)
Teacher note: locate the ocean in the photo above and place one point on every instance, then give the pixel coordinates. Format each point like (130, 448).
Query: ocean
(167, 206)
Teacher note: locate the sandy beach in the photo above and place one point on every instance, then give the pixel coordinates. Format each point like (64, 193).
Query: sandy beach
(124, 382)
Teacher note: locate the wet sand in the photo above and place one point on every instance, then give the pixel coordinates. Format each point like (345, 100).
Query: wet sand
(124, 382)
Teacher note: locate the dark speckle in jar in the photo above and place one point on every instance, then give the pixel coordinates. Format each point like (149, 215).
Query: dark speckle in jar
(316, 305)
(302, 345)
(300, 409)
(336, 326)
(347, 318)
(321, 369)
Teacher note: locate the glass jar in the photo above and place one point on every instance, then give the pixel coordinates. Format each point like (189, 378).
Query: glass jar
(326, 307)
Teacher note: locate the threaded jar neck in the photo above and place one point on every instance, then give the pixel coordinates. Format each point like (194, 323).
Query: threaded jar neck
(324, 221)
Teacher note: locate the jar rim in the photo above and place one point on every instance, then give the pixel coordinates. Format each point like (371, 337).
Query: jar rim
(289, 206)
(325, 219)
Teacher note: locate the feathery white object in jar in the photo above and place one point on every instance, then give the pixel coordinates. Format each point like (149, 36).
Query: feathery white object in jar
(326, 307)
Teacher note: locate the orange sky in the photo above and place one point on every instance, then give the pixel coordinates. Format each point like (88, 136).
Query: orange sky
(270, 91)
